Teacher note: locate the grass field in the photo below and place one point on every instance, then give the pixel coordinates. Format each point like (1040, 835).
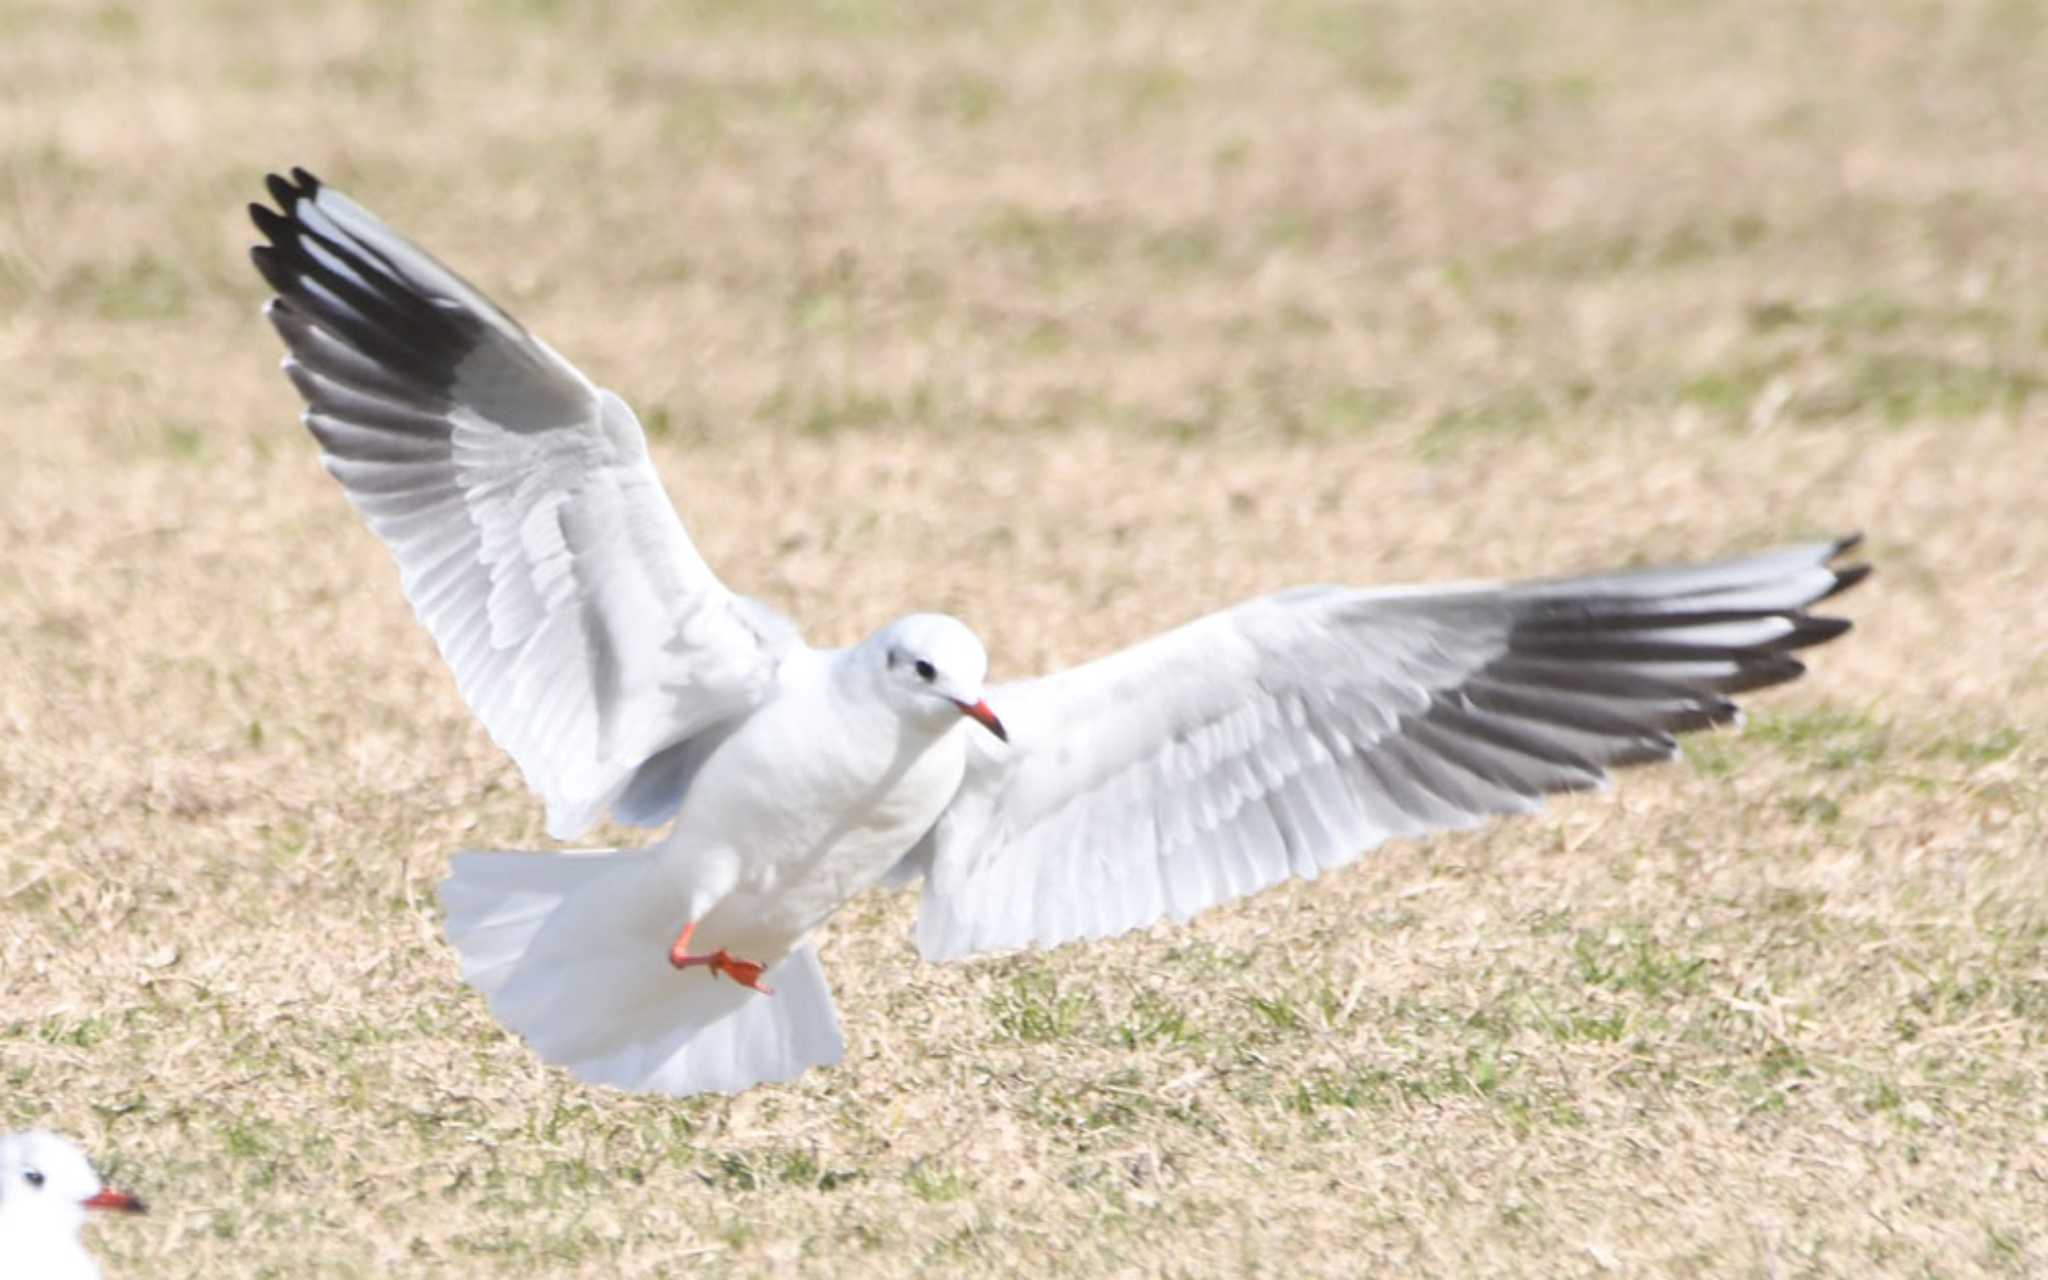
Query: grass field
(1075, 320)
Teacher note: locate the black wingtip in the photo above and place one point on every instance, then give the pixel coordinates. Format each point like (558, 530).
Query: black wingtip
(288, 191)
(269, 221)
(1812, 630)
(1849, 574)
(1761, 672)
(1846, 577)
(326, 261)
(281, 191)
(274, 271)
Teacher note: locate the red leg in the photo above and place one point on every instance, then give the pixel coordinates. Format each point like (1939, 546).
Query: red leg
(679, 954)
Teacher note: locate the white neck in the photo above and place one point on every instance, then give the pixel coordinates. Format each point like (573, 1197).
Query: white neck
(45, 1246)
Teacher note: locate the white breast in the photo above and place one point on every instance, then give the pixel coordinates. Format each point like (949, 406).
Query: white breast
(806, 805)
(44, 1255)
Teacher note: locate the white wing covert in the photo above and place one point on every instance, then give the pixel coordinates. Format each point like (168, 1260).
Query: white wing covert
(532, 535)
(1291, 734)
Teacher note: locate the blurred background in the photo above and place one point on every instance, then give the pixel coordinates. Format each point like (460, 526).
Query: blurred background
(1074, 319)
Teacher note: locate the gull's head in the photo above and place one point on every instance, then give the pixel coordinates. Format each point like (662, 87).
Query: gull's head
(44, 1178)
(933, 667)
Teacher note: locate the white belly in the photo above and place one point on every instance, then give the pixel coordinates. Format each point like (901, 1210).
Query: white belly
(805, 806)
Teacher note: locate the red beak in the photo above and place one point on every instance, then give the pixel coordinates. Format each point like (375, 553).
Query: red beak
(108, 1198)
(979, 711)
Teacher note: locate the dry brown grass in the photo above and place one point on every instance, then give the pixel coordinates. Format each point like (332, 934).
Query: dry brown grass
(1073, 320)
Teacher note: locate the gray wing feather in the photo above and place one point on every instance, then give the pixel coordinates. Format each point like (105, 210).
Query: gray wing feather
(531, 532)
(1292, 733)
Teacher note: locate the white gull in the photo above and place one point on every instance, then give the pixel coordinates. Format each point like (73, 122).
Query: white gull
(1282, 737)
(46, 1188)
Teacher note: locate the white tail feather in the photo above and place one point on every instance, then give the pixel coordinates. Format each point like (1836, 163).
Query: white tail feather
(582, 973)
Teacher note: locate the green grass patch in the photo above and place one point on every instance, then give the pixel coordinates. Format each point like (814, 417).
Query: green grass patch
(1632, 959)
(1035, 1009)
(1830, 738)
(1506, 414)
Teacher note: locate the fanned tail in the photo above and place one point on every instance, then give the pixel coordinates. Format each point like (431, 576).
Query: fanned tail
(571, 951)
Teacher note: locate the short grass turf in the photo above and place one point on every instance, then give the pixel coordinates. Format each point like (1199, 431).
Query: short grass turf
(1076, 320)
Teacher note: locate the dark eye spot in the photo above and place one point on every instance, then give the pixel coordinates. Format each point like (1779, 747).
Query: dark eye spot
(34, 1177)
(926, 671)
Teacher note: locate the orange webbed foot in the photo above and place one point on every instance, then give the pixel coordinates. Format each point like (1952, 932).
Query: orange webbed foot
(744, 972)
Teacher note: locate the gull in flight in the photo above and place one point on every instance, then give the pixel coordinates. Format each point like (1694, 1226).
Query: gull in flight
(1282, 737)
(46, 1187)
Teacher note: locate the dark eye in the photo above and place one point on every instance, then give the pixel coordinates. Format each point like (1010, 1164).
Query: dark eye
(34, 1177)
(926, 671)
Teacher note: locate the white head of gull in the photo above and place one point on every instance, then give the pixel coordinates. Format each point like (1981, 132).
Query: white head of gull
(47, 1187)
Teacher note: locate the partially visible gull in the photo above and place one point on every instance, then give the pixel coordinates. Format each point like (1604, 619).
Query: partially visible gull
(47, 1186)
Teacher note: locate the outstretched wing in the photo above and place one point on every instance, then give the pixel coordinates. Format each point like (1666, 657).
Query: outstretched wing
(531, 531)
(1288, 735)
